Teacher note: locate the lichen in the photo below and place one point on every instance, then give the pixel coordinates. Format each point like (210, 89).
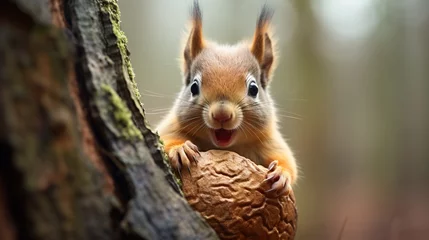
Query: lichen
(121, 115)
(111, 7)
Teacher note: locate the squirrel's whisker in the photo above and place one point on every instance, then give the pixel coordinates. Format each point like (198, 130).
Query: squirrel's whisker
(211, 94)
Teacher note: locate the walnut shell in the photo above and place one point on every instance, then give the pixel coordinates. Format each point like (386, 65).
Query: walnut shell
(228, 190)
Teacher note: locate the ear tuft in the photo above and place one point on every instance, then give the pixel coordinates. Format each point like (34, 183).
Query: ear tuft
(195, 42)
(262, 45)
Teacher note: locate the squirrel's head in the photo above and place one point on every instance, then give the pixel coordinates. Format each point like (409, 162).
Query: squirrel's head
(225, 97)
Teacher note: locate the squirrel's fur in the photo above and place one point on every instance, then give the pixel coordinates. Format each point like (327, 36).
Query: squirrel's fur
(216, 109)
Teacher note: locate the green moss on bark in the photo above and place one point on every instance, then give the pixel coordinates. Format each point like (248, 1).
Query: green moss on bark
(112, 8)
(121, 115)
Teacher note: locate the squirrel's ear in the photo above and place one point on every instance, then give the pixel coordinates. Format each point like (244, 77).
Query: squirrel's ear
(195, 41)
(262, 45)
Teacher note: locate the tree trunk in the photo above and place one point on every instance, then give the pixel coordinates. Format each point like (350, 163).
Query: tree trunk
(77, 159)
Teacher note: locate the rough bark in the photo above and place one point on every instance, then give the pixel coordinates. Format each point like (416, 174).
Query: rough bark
(77, 160)
(48, 186)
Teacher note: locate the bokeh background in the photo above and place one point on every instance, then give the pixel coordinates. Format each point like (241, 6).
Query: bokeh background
(352, 86)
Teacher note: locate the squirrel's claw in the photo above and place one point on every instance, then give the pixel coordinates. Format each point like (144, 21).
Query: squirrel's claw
(192, 150)
(273, 165)
(180, 156)
(279, 179)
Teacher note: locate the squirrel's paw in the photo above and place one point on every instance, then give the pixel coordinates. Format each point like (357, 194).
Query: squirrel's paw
(181, 155)
(279, 179)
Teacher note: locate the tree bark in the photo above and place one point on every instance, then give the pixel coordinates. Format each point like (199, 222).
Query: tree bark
(77, 159)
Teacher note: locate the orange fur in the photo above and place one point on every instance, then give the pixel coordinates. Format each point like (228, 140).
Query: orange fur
(222, 75)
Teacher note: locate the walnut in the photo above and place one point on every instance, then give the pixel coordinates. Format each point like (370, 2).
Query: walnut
(229, 192)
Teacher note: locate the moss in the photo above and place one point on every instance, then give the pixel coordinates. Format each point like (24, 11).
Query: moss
(111, 7)
(121, 115)
(167, 161)
(178, 181)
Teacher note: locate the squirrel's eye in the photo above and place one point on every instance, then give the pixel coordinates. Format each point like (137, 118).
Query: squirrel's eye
(253, 89)
(195, 88)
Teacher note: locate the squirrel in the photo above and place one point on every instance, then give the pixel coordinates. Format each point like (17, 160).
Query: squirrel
(225, 104)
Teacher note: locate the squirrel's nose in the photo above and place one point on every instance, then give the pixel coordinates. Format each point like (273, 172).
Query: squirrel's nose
(221, 116)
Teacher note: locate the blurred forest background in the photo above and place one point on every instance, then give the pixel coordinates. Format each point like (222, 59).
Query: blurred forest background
(352, 86)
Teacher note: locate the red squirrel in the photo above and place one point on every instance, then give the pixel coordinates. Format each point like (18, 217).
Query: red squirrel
(225, 104)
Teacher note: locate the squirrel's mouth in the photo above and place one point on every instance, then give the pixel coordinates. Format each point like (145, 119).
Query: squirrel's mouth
(223, 137)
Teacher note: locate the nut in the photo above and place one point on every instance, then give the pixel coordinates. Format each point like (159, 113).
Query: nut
(229, 192)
